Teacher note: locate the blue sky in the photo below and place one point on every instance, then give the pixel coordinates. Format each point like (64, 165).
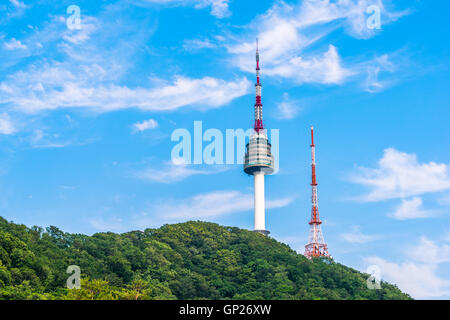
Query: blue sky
(86, 117)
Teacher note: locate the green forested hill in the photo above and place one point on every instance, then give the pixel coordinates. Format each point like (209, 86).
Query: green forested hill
(192, 260)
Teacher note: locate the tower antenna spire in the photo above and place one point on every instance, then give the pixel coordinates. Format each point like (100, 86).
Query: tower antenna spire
(258, 126)
(316, 246)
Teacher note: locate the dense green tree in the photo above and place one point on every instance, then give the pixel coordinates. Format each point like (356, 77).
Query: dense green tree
(93, 289)
(192, 260)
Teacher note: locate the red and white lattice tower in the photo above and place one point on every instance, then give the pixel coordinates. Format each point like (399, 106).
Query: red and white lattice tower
(316, 246)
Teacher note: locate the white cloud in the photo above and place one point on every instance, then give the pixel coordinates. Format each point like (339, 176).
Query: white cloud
(206, 206)
(64, 187)
(14, 44)
(214, 204)
(279, 203)
(287, 109)
(427, 251)
(195, 44)
(326, 69)
(400, 175)
(89, 25)
(39, 139)
(356, 236)
(219, 8)
(351, 14)
(286, 30)
(18, 4)
(418, 275)
(382, 63)
(418, 279)
(6, 125)
(173, 171)
(145, 125)
(411, 209)
(445, 199)
(90, 78)
(54, 87)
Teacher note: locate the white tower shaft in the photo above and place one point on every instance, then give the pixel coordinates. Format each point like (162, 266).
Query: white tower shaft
(260, 223)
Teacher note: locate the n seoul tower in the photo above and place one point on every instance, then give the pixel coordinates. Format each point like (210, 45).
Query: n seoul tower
(259, 160)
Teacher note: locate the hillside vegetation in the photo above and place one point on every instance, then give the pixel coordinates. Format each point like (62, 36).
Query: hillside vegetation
(192, 260)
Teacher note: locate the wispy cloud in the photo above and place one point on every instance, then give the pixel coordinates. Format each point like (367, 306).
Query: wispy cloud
(428, 251)
(91, 79)
(219, 8)
(356, 236)
(40, 139)
(196, 44)
(89, 26)
(17, 4)
(326, 69)
(145, 125)
(6, 124)
(400, 175)
(287, 109)
(174, 171)
(412, 209)
(64, 187)
(419, 280)
(12, 9)
(380, 64)
(54, 88)
(285, 31)
(418, 274)
(207, 206)
(14, 44)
